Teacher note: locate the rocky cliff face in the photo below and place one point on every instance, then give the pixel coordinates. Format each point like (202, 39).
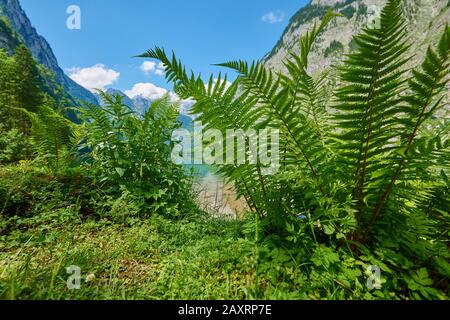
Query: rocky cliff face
(39, 47)
(426, 21)
(8, 38)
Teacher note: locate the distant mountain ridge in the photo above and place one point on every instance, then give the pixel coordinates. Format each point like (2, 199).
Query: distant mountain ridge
(140, 104)
(39, 47)
(426, 20)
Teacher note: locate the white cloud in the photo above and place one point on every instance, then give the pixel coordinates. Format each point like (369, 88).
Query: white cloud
(146, 90)
(151, 91)
(151, 67)
(185, 106)
(273, 17)
(148, 66)
(95, 77)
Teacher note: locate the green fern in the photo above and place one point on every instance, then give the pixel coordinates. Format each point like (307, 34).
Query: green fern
(51, 132)
(426, 86)
(351, 157)
(368, 105)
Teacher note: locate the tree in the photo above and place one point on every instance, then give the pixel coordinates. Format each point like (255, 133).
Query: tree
(20, 87)
(28, 85)
(6, 89)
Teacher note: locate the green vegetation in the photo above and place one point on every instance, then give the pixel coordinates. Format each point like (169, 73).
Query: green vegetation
(365, 170)
(343, 4)
(335, 46)
(24, 84)
(348, 12)
(363, 184)
(19, 87)
(307, 13)
(362, 10)
(352, 45)
(135, 151)
(11, 38)
(311, 12)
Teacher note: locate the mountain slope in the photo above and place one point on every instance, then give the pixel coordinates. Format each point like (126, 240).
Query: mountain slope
(428, 15)
(39, 47)
(8, 38)
(140, 104)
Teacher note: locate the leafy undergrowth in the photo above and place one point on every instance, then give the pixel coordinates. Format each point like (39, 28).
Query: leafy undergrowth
(153, 259)
(124, 256)
(43, 231)
(196, 258)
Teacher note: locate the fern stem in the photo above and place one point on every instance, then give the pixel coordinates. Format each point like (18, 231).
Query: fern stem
(251, 198)
(263, 185)
(302, 151)
(360, 191)
(387, 192)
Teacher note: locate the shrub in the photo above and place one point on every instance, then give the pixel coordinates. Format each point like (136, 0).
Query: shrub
(130, 153)
(348, 12)
(30, 197)
(362, 10)
(14, 146)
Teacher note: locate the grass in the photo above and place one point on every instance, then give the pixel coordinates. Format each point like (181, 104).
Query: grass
(43, 231)
(151, 259)
(51, 222)
(196, 258)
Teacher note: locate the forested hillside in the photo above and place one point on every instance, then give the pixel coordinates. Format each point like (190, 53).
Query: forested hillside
(19, 24)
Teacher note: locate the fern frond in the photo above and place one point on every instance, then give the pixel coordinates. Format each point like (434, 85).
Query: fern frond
(427, 83)
(51, 133)
(368, 104)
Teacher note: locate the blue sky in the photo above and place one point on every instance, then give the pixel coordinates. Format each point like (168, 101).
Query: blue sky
(201, 32)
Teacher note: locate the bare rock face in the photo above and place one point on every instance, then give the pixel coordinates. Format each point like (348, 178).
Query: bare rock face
(39, 47)
(426, 19)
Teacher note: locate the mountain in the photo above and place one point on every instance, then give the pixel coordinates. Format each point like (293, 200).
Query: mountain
(426, 21)
(113, 92)
(140, 104)
(8, 38)
(23, 32)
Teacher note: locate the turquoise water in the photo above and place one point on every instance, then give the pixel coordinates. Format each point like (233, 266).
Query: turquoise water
(199, 171)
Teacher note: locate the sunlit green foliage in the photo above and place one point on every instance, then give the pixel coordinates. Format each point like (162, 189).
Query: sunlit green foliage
(363, 182)
(359, 168)
(133, 154)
